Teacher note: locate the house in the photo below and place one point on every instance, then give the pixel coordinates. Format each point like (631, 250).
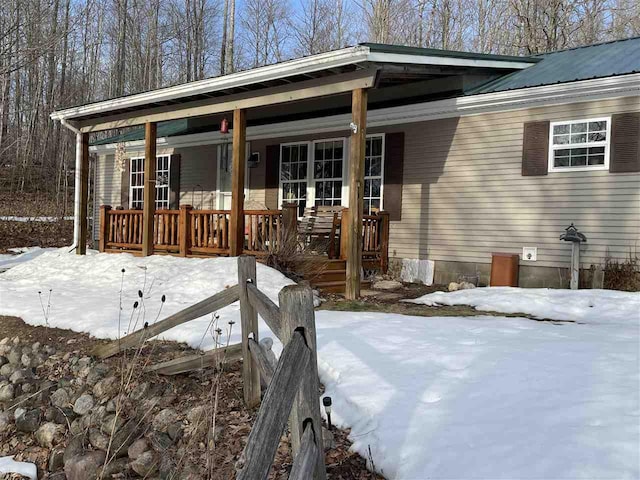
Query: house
(467, 154)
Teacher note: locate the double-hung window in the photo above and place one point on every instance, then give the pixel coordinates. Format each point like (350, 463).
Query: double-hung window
(373, 168)
(136, 184)
(328, 157)
(294, 159)
(579, 145)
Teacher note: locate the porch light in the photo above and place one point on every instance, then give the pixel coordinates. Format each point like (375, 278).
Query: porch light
(224, 125)
(326, 401)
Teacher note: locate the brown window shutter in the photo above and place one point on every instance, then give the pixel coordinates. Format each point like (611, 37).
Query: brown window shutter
(272, 176)
(535, 149)
(174, 181)
(124, 184)
(393, 171)
(625, 143)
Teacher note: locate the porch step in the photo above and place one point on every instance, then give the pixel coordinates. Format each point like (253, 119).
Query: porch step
(336, 286)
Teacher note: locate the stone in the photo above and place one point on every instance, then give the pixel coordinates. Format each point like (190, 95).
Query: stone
(175, 431)
(196, 414)
(111, 424)
(453, 286)
(50, 434)
(328, 439)
(28, 387)
(387, 285)
(15, 356)
(75, 447)
(84, 362)
(7, 369)
(164, 419)
(97, 373)
(35, 347)
(63, 416)
(466, 285)
(3, 360)
(56, 460)
(84, 466)
(28, 421)
(7, 392)
(139, 391)
(146, 464)
(6, 419)
(27, 360)
(60, 398)
(159, 441)
(20, 375)
(137, 448)
(76, 427)
(98, 440)
(83, 404)
(118, 466)
(106, 387)
(124, 437)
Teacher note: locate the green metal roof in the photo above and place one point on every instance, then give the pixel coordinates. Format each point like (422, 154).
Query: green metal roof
(434, 52)
(608, 59)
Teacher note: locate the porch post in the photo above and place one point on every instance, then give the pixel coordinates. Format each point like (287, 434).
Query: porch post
(81, 191)
(149, 195)
(356, 199)
(236, 240)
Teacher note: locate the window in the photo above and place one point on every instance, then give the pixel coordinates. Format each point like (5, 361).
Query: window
(373, 168)
(136, 194)
(293, 174)
(327, 171)
(579, 145)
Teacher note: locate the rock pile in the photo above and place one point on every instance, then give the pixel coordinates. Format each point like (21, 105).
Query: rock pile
(78, 419)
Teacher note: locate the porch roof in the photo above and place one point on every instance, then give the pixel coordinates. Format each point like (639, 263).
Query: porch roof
(391, 64)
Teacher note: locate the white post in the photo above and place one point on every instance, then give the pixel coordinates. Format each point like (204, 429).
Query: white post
(77, 198)
(575, 264)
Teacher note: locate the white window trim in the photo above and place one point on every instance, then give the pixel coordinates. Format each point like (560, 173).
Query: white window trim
(311, 186)
(384, 139)
(132, 188)
(280, 182)
(587, 168)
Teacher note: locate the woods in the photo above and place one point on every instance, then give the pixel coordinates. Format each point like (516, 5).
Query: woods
(59, 53)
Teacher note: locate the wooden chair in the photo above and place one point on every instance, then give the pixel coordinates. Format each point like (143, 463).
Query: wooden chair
(318, 228)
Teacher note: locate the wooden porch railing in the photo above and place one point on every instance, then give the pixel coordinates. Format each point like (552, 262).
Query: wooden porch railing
(188, 232)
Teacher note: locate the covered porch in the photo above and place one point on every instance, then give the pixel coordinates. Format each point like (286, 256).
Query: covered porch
(340, 84)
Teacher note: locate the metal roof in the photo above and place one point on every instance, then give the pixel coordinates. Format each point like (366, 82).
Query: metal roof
(619, 57)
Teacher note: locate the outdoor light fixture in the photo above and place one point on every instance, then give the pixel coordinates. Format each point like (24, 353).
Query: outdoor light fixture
(353, 127)
(224, 125)
(326, 401)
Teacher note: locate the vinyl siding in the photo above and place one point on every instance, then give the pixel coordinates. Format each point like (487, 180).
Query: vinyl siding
(108, 179)
(464, 195)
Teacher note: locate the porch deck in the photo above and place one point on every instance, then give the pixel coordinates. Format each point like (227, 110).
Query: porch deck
(187, 232)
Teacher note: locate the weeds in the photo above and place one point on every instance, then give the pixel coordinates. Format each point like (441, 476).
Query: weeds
(622, 274)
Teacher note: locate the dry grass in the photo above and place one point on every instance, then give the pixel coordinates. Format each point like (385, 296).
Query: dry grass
(622, 274)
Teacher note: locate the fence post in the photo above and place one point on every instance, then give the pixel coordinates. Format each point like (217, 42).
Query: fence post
(249, 325)
(296, 308)
(184, 229)
(103, 232)
(384, 241)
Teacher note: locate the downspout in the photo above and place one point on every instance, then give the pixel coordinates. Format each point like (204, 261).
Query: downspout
(76, 198)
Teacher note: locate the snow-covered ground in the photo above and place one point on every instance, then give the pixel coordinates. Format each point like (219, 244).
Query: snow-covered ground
(431, 397)
(15, 218)
(20, 255)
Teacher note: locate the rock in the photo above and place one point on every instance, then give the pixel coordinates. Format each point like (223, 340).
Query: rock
(328, 439)
(140, 391)
(164, 419)
(107, 387)
(98, 440)
(7, 369)
(196, 414)
(63, 416)
(83, 404)
(84, 466)
(111, 424)
(137, 448)
(28, 387)
(7, 392)
(159, 441)
(60, 398)
(466, 285)
(16, 340)
(35, 347)
(454, 286)
(27, 360)
(97, 373)
(50, 434)
(119, 467)
(56, 460)
(387, 285)
(15, 356)
(20, 375)
(124, 437)
(76, 427)
(6, 419)
(84, 362)
(146, 464)
(175, 431)
(28, 421)
(75, 447)
(3, 360)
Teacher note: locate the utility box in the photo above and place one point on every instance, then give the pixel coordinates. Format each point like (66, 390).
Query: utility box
(504, 269)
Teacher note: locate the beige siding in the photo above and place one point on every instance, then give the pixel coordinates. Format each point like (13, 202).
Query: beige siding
(464, 196)
(198, 169)
(108, 179)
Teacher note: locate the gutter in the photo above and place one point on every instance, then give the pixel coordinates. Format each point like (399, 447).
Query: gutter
(76, 190)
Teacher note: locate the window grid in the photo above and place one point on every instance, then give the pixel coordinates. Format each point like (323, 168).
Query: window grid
(163, 171)
(328, 158)
(373, 172)
(579, 145)
(293, 174)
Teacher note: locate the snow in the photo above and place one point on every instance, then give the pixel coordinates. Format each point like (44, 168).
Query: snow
(20, 255)
(484, 397)
(571, 305)
(9, 465)
(14, 218)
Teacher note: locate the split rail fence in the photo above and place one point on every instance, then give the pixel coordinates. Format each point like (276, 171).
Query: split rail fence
(293, 386)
